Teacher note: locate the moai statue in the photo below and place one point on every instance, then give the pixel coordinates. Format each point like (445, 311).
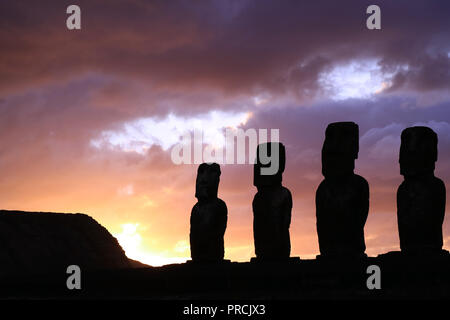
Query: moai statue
(272, 204)
(208, 216)
(421, 196)
(342, 198)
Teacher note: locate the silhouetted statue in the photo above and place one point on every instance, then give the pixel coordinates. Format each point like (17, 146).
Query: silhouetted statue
(208, 216)
(272, 204)
(421, 196)
(342, 198)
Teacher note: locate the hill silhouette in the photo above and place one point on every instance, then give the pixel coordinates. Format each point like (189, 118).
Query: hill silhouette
(42, 242)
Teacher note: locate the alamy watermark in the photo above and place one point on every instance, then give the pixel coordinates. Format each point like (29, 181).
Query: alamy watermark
(191, 150)
(73, 22)
(74, 280)
(373, 22)
(374, 280)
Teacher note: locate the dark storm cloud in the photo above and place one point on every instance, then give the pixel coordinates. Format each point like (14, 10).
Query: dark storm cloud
(238, 46)
(425, 73)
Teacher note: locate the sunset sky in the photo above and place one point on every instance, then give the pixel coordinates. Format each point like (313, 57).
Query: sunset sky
(88, 117)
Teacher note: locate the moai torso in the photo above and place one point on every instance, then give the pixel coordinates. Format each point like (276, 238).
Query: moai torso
(208, 216)
(272, 218)
(342, 198)
(272, 207)
(341, 210)
(421, 196)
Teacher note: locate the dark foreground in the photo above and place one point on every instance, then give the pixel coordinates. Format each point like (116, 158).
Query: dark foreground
(401, 278)
(37, 247)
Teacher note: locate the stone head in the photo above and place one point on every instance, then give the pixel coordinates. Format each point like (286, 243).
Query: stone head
(418, 151)
(207, 183)
(340, 149)
(269, 165)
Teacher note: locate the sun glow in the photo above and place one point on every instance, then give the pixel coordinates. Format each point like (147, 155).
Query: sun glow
(131, 241)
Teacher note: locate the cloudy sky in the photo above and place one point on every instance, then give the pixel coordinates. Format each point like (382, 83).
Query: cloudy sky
(88, 118)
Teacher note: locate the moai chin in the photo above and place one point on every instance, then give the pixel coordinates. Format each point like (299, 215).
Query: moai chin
(272, 204)
(342, 198)
(208, 217)
(421, 196)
